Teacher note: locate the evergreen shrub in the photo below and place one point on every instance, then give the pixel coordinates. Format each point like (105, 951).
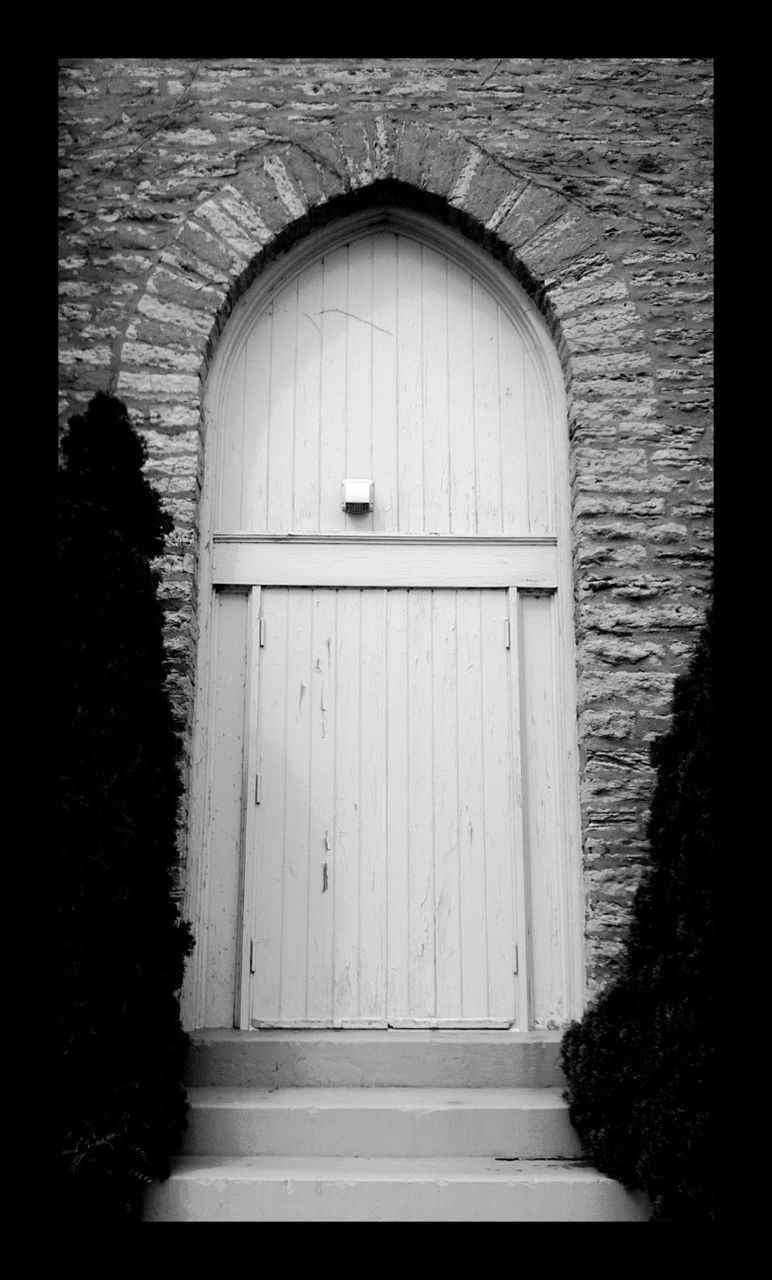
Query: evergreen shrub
(121, 943)
(641, 1063)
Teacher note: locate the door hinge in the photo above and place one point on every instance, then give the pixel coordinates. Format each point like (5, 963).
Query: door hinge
(251, 955)
(507, 633)
(261, 632)
(258, 781)
(517, 966)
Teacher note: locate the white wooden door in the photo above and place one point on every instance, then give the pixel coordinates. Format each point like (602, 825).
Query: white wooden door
(416, 838)
(384, 887)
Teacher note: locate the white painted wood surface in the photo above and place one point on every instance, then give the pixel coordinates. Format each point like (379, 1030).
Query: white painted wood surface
(362, 561)
(253, 696)
(546, 820)
(223, 824)
(386, 359)
(384, 859)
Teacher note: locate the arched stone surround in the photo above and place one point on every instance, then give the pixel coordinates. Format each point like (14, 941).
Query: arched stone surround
(556, 251)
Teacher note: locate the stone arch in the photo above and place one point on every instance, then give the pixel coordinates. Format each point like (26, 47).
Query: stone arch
(549, 243)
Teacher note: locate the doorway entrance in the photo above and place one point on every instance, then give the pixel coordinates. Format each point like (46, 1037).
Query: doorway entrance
(387, 790)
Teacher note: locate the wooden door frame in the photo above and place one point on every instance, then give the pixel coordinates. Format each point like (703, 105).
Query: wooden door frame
(569, 964)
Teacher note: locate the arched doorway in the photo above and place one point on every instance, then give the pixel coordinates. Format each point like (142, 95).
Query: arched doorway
(386, 791)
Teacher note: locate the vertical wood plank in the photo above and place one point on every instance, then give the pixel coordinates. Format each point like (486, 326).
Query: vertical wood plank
(282, 412)
(359, 361)
(253, 471)
(333, 390)
(409, 387)
(472, 885)
(521, 887)
(322, 815)
(497, 776)
(461, 407)
(251, 762)
(223, 821)
(386, 507)
(398, 808)
(569, 850)
(295, 887)
(538, 447)
(542, 820)
(308, 460)
(486, 402)
(269, 820)
(445, 790)
(515, 462)
(229, 513)
(346, 862)
(372, 813)
(421, 782)
(434, 346)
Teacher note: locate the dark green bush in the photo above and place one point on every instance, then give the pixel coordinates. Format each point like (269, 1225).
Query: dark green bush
(121, 944)
(641, 1063)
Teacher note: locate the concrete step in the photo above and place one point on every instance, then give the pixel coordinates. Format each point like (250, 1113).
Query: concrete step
(351, 1059)
(382, 1126)
(529, 1123)
(346, 1189)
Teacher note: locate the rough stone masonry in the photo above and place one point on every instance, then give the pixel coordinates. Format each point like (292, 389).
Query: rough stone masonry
(591, 179)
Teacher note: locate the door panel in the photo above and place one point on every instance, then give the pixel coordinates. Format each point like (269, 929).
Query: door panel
(384, 834)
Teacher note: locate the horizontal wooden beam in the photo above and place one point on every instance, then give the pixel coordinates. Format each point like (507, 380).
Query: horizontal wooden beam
(372, 560)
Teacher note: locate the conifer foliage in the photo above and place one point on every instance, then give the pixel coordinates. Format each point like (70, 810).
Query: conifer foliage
(640, 1065)
(121, 944)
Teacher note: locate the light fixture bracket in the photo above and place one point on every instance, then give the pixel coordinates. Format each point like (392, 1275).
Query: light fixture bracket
(357, 497)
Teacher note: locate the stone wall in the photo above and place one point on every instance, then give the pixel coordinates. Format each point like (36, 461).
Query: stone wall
(589, 179)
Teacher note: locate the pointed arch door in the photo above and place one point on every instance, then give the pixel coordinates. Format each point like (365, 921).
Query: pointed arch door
(405, 824)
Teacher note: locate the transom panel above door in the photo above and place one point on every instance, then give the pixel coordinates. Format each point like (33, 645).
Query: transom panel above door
(386, 358)
(384, 837)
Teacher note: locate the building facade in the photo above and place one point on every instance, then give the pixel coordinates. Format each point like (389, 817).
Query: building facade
(416, 714)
